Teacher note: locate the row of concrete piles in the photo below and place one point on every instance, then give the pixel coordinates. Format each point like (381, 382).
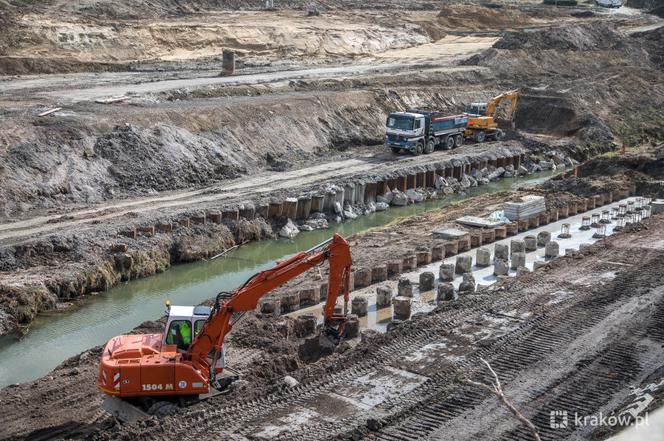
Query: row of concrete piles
(505, 258)
(360, 192)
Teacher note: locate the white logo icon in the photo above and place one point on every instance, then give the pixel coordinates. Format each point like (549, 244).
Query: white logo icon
(558, 419)
(182, 384)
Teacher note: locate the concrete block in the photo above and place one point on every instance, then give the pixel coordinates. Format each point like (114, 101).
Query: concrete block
(427, 279)
(543, 237)
(446, 292)
(384, 296)
(502, 251)
(394, 268)
(409, 262)
(198, 219)
(230, 214)
(228, 62)
(451, 248)
(437, 252)
(467, 285)
(270, 306)
(521, 271)
(488, 236)
(483, 257)
(323, 291)
(147, 230)
(500, 232)
(551, 250)
(463, 264)
(500, 267)
(359, 306)
(401, 307)
(290, 301)
(274, 210)
(352, 327)
(379, 273)
(165, 227)
(563, 212)
(309, 296)
(362, 277)
(214, 216)
(423, 258)
(530, 243)
(475, 240)
(446, 272)
(518, 260)
(517, 246)
(512, 228)
(463, 244)
(404, 288)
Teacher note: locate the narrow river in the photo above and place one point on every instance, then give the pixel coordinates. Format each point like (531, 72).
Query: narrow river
(54, 337)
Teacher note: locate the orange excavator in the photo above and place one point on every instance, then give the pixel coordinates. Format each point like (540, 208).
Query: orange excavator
(482, 124)
(153, 374)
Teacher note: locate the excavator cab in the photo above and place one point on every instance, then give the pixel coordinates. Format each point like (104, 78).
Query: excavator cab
(476, 109)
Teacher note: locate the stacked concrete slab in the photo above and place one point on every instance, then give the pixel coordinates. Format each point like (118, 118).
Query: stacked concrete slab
(529, 207)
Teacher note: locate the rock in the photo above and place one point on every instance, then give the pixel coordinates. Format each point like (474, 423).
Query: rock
(465, 182)
(440, 182)
(386, 198)
(382, 206)
(400, 199)
(546, 165)
(305, 227)
(414, 195)
(337, 208)
(448, 190)
(317, 224)
(290, 381)
(289, 230)
(509, 169)
(570, 162)
(349, 214)
(508, 174)
(522, 171)
(468, 283)
(371, 207)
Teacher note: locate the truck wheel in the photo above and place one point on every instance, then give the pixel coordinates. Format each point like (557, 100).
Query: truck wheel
(499, 136)
(430, 147)
(419, 148)
(449, 143)
(458, 141)
(396, 150)
(479, 136)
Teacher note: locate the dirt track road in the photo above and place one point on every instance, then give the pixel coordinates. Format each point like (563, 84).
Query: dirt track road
(261, 184)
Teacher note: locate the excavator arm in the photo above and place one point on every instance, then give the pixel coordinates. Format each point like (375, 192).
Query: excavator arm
(245, 298)
(512, 95)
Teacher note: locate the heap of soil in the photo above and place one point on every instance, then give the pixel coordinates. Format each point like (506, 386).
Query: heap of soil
(570, 38)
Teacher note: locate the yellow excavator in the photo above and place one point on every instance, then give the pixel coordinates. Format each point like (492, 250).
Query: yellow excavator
(481, 122)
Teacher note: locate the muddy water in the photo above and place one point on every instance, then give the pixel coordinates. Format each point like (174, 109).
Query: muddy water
(55, 337)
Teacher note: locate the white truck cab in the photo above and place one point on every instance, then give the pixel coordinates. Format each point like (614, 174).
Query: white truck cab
(405, 130)
(184, 324)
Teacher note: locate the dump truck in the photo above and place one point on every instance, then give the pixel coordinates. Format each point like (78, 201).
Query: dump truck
(422, 131)
(482, 123)
(154, 374)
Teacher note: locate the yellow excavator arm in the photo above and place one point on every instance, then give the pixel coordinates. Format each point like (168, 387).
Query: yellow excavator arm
(512, 95)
